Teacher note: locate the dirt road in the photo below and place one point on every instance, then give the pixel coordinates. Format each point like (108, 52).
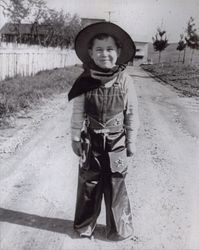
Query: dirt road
(38, 181)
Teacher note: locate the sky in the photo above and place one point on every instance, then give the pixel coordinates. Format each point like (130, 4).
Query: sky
(140, 18)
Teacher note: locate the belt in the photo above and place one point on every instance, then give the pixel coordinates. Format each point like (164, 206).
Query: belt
(113, 125)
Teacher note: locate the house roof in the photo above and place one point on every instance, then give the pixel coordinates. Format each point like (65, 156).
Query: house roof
(87, 21)
(24, 28)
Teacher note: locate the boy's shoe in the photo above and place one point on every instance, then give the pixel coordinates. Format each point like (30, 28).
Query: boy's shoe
(90, 237)
(119, 238)
(126, 239)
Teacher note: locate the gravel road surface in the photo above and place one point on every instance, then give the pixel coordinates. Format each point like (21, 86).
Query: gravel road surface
(38, 176)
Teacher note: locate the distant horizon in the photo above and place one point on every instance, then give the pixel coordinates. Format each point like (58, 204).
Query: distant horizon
(149, 42)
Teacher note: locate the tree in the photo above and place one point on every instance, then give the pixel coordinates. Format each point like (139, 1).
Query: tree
(38, 11)
(62, 28)
(73, 27)
(24, 10)
(16, 11)
(19, 11)
(58, 27)
(4, 5)
(160, 42)
(192, 37)
(181, 47)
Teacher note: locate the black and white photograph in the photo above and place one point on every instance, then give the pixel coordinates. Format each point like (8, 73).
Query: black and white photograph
(99, 125)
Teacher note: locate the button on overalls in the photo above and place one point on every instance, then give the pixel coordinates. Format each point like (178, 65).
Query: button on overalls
(103, 169)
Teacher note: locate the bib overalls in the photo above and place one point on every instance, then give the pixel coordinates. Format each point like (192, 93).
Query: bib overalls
(103, 165)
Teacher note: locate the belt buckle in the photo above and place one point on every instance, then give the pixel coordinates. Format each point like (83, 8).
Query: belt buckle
(102, 131)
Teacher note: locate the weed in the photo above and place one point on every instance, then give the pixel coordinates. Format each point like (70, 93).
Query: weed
(185, 78)
(24, 92)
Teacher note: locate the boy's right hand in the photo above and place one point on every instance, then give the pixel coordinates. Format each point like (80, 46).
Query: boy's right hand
(77, 148)
(130, 149)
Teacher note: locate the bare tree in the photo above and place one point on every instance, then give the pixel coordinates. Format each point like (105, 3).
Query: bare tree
(72, 28)
(62, 28)
(160, 42)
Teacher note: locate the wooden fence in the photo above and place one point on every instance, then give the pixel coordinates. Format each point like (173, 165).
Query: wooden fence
(26, 61)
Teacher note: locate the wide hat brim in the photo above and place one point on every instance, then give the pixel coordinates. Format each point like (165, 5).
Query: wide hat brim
(83, 38)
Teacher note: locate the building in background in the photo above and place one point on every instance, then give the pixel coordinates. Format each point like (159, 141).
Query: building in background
(33, 33)
(23, 33)
(141, 56)
(87, 21)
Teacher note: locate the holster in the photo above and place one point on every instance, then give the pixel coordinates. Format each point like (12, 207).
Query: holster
(86, 150)
(118, 162)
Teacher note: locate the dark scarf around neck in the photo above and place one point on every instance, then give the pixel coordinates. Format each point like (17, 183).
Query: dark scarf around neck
(93, 78)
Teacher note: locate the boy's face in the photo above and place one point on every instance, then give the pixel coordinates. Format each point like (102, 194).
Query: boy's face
(104, 53)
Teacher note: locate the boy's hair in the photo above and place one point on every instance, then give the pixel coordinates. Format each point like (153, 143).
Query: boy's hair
(102, 36)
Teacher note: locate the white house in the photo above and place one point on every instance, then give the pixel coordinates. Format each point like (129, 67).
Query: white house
(141, 55)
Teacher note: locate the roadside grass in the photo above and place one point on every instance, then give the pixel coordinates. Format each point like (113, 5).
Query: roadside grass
(184, 78)
(21, 93)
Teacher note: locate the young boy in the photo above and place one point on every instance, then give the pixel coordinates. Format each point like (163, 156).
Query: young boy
(104, 128)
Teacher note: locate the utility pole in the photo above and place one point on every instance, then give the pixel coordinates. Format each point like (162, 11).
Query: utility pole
(162, 23)
(109, 15)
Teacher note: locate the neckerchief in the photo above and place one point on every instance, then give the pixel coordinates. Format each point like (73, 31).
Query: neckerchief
(93, 78)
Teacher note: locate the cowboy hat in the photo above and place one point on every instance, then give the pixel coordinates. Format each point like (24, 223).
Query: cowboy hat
(85, 35)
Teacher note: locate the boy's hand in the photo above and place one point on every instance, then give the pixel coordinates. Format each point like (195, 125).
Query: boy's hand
(130, 149)
(77, 148)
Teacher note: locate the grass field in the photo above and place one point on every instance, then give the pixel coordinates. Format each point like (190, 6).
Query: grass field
(170, 55)
(182, 77)
(171, 70)
(23, 92)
